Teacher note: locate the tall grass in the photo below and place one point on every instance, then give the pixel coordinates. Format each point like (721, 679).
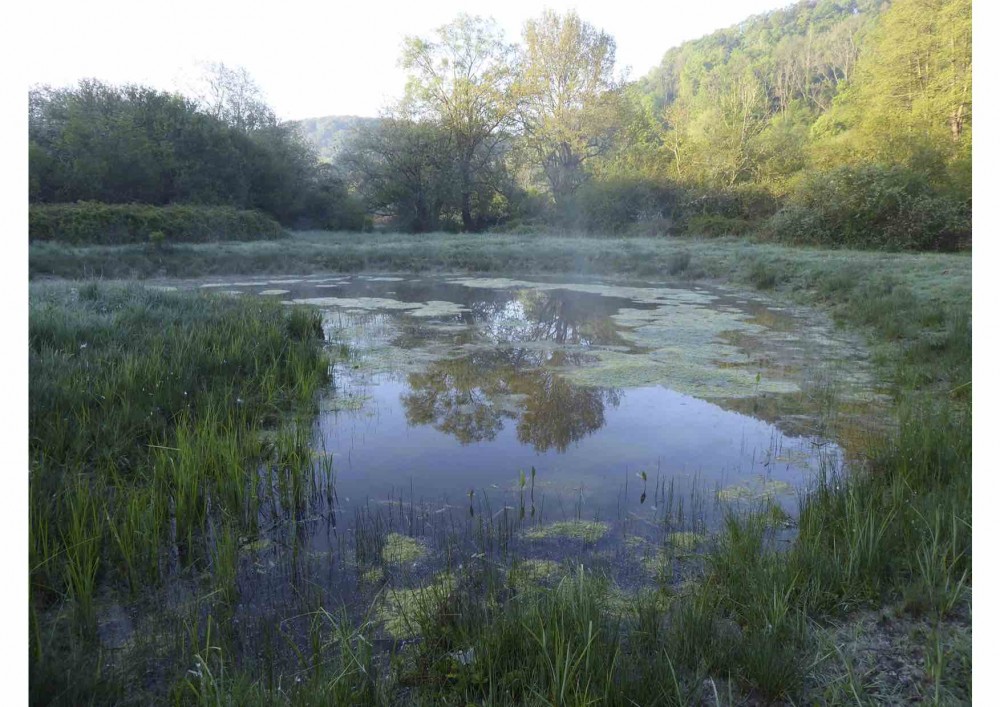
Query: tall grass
(145, 411)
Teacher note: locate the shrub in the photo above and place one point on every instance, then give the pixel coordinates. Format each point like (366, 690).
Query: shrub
(613, 206)
(716, 225)
(872, 206)
(746, 202)
(114, 224)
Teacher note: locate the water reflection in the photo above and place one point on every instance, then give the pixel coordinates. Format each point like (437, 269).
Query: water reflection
(558, 316)
(471, 397)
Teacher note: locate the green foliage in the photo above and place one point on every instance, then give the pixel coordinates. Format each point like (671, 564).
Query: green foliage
(872, 206)
(132, 144)
(143, 405)
(613, 206)
(462, 81)
(716, 225)
(157, 239)
(404, 167)
(568, 98)
(912, 91)
(115, 224)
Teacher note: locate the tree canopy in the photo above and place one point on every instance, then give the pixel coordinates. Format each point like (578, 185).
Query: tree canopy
(725, 135)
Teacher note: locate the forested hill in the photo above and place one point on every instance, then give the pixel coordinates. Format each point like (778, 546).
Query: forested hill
(801, 53)
(329, 134)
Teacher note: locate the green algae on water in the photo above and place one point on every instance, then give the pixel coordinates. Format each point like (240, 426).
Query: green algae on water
(759, 489)
(622, 604)
(685, 541)
(402, 549)
(526, 573)
(402, 611)
(587, 530)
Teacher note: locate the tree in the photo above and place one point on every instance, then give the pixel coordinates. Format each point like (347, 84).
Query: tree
(121, 144)
(403, 165)
(910, 98)
(231, 95)
(463, 81)
(569, 107)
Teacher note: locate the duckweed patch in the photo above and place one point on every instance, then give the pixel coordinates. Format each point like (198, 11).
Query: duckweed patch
(403, 612)
(257, 545)
(587, 530)
(431, 309)
(401, 549)
(528, 572)
(757, 490)
(685, 541)
(624, 604)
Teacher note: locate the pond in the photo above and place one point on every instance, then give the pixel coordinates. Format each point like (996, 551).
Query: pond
(543, 424)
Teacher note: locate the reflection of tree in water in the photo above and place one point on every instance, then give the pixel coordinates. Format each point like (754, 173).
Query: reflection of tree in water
(562, 316)
(471, 397)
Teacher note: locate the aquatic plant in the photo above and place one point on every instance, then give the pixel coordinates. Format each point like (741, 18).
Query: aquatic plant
(588, 531)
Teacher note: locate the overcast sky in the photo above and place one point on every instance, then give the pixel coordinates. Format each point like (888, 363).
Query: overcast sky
(321, 58)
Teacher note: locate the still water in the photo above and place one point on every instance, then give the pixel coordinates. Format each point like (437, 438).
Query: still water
(564, 419)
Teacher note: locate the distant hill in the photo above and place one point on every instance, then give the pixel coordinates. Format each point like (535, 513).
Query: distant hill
(329, 133)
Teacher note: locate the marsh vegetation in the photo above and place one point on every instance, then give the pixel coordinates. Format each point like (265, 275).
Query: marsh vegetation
(206, 509)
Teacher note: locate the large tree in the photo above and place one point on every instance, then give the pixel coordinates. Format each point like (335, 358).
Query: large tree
(404, 166)
(569, 108)
(463, 80)
(231, 94)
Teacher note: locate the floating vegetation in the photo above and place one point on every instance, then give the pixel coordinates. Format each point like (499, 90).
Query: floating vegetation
(401, 549)
(529, 572)
(433, 308)
(636, 542)
(685, 541)
(687, 341)
(403, 611)
(623, 604)
(372, 575)
(273, 292)
(760, 489)
(587, 530)
(438, 308)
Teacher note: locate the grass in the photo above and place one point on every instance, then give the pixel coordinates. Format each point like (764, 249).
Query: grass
(143, 414)
(763, 620)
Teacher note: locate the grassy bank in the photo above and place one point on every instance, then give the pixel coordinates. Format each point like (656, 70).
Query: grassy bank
(320, 251)
(145, 412)
(881, 565)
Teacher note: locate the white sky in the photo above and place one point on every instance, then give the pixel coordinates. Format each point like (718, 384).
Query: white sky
(320, 58)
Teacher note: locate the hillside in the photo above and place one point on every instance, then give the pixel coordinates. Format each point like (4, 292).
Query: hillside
(800, 53)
